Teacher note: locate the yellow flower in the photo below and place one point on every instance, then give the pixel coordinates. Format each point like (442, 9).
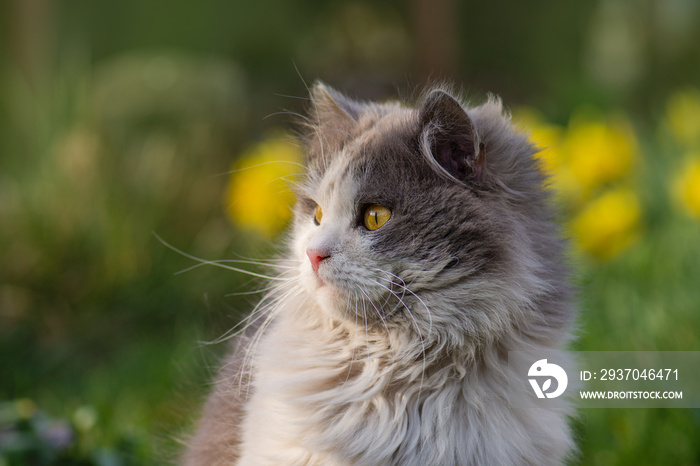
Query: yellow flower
(608, 224)
(600, 152)
(568, 187)
(259, 196)
(591, 156)
(683, 114)
(545, 137)
(687, 186)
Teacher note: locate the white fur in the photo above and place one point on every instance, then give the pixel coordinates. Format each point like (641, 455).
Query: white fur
(309, 407)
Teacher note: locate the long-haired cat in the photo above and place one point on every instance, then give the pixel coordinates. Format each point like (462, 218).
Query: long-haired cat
(423, 250)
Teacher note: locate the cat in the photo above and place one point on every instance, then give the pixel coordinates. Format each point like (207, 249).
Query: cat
(423, 249)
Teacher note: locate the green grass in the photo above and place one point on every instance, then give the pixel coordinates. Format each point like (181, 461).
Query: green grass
(645, 300)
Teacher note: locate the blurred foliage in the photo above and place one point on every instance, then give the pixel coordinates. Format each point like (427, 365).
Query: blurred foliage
(119, 120)
(109, 155)
(29, 436)
(683, 117)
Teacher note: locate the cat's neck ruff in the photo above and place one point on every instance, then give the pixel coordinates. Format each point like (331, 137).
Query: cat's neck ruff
(341, 395)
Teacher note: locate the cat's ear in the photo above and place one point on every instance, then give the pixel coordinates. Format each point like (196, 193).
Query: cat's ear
(449, 134)
(331, 103)
(333, 114)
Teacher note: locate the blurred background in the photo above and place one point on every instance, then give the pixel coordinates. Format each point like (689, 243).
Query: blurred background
(130, 129)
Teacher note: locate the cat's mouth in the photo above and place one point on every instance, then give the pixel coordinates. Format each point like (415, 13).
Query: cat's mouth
(349, 289)
(327, 284)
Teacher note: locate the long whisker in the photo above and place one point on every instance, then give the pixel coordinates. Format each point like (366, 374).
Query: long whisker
(415, 323)
(251, 349)
(248, 167)
(354, 347)
(364, 312)
(378, 313)
(253, 316)
(248, 293)
(214, 263)
(273, 292)
(255, 262)
(220, 263)
(266, 261)
(291, 96)
(241, 327)
(405, 287)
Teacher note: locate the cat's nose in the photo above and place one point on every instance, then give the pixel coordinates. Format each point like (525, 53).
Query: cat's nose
(316, 256)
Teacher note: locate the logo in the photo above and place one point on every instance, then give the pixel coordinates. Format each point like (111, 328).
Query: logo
(541, 369)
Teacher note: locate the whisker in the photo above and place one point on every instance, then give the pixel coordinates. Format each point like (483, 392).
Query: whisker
(251, 348)
(303, 81)
(281, 112)
(378, 313)
(265, 261)
(215, 263)
(203, 262)
(291, 96)
(354, 347)
(406, 288)
(255, 262)
(267, 302)
(249, 293)
(248, 167)
(415, 323)
(364, 313)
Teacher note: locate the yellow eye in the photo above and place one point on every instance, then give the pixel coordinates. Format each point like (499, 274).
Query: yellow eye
(319, 215)
(376, 215)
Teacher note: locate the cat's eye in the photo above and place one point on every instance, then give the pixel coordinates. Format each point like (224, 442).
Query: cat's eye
(376, 215)
(318, 215)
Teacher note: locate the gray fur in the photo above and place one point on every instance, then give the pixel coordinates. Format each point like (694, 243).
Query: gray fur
(401, 358)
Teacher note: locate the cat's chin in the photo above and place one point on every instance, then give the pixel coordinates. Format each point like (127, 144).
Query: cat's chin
(330, 298)
(327, 294)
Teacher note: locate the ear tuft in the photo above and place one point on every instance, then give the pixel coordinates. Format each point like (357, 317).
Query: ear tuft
(449, 135)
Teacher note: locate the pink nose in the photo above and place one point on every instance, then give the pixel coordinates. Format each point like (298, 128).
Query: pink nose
(316, 256)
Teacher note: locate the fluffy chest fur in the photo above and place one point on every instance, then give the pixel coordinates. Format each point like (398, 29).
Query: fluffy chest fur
(347, 401)
(423, 250)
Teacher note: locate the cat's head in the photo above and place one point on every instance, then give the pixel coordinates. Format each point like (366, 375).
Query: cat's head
(431, 220)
